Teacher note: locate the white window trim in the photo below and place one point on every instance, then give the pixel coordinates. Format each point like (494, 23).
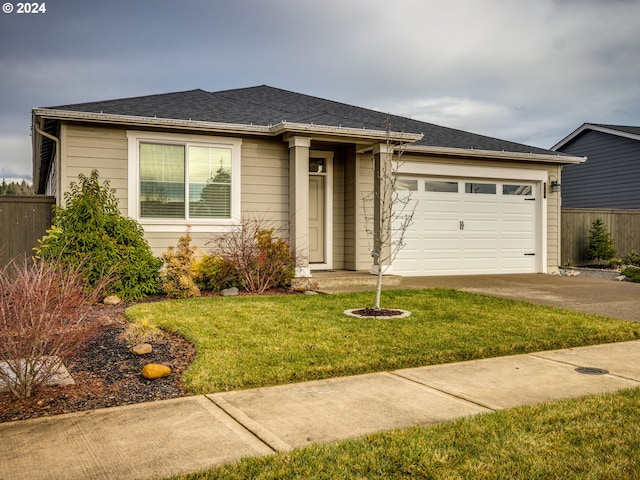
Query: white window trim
(179, 225)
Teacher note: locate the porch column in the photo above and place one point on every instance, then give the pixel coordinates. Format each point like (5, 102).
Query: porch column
(299, 201)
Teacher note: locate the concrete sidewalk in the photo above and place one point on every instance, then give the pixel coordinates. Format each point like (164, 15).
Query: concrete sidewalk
(156, 440)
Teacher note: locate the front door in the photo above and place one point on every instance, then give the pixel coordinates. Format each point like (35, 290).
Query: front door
(316, 219)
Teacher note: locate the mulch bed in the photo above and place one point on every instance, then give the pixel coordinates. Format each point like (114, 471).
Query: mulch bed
(106, 373)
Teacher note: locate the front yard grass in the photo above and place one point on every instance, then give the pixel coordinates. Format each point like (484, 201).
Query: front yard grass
(595, 437)
(254, 341)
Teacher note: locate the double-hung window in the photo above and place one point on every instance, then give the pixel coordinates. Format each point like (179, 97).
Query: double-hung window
(184, 179)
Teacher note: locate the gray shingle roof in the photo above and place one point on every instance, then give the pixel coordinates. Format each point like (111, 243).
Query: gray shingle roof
(264, 105)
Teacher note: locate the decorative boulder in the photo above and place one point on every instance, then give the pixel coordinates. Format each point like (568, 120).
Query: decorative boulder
(229, 292)
(112, 300)
(153, 371)
(141, 349)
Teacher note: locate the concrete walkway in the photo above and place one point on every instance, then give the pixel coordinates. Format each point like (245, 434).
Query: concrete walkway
(156, 440)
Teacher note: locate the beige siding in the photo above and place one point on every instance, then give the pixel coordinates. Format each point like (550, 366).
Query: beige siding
(365, 186)
(265, 180)
(87, 148)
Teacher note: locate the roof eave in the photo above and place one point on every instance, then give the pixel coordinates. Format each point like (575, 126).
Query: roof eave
(237, 128)
(595, 128)
(497, 155)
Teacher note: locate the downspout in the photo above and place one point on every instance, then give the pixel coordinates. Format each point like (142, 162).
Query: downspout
(56, 140)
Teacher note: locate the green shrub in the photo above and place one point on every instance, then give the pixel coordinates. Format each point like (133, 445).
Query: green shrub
(91, 232)
(601, 245)
(215, 273)
(632, 274)
(178, 273)
(631, 258)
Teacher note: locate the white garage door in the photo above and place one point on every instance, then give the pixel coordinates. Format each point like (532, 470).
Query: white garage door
(468, 226)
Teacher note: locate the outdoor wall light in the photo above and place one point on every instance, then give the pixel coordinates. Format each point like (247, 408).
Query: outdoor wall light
(555, 186)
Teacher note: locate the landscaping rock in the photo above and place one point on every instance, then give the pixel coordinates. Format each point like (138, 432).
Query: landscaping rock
(310, 292)
(112, 300)
(153, 371)
(229, 292)
(141, 349)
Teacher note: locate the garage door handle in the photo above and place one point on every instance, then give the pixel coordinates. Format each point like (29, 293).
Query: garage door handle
(461, 224)
(529, 254)
(530, 199)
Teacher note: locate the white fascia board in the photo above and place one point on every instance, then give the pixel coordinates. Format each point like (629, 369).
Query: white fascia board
(497, 155)
(134, 121)
(595, 128)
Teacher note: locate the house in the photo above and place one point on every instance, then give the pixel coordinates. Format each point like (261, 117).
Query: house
(206, 158)
(610, 179)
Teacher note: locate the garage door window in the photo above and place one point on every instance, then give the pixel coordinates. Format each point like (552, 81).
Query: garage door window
(439, 186)
(406, 184)
(482, 188)
(517, 190)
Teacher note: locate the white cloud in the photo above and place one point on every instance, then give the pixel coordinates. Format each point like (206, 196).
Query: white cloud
(15, 157)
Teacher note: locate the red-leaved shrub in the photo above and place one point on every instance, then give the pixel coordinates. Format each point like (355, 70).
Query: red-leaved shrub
(43, 320)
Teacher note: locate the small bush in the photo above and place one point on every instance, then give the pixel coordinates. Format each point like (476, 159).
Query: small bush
(601, 245)
(263, 260)
(631, 258)
(215, 273)
(92, 232)
(43, 320)
(632, 274)
(178, 273)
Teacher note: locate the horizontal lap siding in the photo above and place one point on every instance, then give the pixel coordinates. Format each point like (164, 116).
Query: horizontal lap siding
(265, 181)
(264, 187)
(610, 176)
(365, 187)
(87, 148)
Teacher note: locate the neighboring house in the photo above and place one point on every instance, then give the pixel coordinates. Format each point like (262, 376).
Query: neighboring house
(205, 159)
(610, 178)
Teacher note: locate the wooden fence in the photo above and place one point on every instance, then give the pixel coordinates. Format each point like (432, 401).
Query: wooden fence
(623, 225)
(23, 220)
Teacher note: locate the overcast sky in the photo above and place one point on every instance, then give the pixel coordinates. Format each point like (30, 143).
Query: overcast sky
(530, 71)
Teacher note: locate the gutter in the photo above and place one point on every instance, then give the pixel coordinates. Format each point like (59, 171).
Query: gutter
(498, 155)
(238, 128)
(38, 164)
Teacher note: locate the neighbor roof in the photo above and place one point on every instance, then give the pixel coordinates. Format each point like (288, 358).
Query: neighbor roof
(264, 105)
(627, 131)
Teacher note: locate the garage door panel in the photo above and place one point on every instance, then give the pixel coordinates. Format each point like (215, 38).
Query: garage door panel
(469, 233)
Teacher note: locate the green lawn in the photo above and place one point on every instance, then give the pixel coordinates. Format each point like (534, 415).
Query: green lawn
(596, 437)
(251, 341)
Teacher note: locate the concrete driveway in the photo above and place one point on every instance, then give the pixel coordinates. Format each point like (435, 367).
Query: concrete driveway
(604, 297)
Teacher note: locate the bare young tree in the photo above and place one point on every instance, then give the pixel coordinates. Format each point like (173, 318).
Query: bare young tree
(388, 210)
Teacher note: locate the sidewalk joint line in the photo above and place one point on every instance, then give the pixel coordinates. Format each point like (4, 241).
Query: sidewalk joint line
(437, 389)
(254, 428)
